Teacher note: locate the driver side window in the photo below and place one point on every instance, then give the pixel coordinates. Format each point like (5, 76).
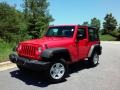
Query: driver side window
(82, 32)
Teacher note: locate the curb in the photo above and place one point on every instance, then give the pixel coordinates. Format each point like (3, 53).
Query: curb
(6, 65)
(3, 63)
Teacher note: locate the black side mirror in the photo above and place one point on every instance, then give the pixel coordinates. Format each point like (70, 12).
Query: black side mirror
(80, 36)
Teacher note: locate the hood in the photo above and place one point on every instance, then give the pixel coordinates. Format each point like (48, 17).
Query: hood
(49, 41)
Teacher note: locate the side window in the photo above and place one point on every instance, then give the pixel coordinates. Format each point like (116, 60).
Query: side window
(93, 34)
(82, 31)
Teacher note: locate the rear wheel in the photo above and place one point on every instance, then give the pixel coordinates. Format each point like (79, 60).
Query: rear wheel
(57, 71)
(94, 59)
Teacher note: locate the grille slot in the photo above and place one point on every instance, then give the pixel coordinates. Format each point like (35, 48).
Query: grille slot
(28, 50)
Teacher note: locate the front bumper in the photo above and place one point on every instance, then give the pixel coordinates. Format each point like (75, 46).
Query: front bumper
(31, 64)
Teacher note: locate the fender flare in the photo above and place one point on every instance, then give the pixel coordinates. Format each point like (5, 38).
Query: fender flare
(56, 53)
(93, 48)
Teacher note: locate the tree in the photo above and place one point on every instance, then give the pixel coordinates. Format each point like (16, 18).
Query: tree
(11, 23)
(85, 23)
(37, 17)
(95, 23)
(118, 29)
(109, 23)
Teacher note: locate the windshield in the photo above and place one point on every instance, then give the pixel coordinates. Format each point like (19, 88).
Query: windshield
(61, 31)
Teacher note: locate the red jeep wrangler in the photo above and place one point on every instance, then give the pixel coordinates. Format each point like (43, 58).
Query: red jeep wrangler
(60, 46)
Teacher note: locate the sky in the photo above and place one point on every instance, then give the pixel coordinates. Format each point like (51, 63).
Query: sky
(77, 11)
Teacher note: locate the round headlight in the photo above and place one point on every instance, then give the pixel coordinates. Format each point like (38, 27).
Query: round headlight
(39, 49)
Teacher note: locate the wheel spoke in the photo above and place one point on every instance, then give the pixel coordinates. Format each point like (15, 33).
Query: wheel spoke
(61, 71)
(58, 65)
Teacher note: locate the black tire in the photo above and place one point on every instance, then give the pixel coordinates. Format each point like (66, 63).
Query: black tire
(94, 59)
(57, 71)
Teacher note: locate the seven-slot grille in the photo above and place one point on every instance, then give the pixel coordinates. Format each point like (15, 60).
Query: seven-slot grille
(27, 50)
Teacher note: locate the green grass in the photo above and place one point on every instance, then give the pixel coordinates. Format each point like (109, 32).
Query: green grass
(5, 50)
(107, 37)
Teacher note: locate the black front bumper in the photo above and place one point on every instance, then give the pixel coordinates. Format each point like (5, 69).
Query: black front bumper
(31, 64)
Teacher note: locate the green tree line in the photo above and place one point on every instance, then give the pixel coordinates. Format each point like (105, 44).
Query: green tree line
(110, 25)
(17, 25)
(34, 19)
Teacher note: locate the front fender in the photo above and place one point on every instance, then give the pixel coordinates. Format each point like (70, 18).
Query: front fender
(52, 52)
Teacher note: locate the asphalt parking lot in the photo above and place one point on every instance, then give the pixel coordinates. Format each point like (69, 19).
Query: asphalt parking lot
(105, 76)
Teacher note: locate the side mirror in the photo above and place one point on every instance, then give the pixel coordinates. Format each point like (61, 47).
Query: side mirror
(80, 36)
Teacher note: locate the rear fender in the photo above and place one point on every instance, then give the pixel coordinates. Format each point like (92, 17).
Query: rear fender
(94, 48)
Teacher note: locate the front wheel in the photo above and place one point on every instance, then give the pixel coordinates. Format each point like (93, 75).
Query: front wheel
(57, 71)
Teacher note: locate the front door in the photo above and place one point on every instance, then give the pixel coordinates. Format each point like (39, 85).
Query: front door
(83, 42)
